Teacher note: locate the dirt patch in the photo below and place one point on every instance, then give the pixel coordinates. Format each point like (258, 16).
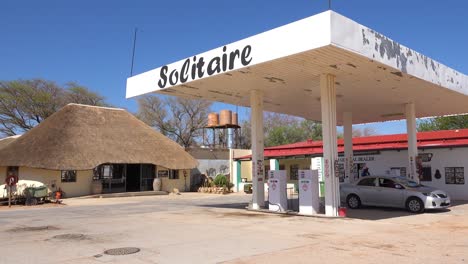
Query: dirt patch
(451, 226)
(340, 248)
(378, 246)
(32, 228)
(70, 237)
(311, 236)
(5, 207)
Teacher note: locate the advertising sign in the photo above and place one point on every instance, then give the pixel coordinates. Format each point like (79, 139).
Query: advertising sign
(163, 173)
(270, 45)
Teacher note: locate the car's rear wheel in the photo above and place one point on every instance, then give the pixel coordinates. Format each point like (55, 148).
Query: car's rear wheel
(414, 205)
(353, 201)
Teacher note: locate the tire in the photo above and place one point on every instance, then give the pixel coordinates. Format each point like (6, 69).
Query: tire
(414, 205)
(353, 201)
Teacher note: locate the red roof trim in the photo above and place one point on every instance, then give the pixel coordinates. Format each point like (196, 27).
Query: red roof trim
(433, 139)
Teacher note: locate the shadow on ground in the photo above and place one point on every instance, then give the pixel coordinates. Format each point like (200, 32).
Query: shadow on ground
(380, 213)
(227, 205)
(364, 213)
(458, 203)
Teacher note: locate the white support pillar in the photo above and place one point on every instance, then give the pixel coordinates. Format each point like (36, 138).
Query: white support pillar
(258, 174)
(274, 164)
(410, 112)
(348, 146)
(330, 153)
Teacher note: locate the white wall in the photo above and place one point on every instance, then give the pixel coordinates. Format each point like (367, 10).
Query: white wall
(51, 178)
(443, 157)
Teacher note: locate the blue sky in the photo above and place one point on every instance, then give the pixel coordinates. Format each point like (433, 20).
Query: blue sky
(90, 42)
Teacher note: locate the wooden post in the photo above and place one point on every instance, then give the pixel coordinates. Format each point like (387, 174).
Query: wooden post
(9, 197)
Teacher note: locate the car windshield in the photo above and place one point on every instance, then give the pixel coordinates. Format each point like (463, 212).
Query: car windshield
(408, 183)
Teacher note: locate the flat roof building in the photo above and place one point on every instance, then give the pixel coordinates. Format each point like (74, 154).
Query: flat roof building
(442, 159)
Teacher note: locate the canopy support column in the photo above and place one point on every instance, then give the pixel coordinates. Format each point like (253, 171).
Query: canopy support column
(410, 112)
(258, 174)
(274, 164)
(348, 146)
(330, 153)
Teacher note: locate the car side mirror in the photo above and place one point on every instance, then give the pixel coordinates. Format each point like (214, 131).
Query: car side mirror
(398, 186)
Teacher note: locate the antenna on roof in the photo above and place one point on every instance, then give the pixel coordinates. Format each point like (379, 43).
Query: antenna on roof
(329, 4)
(133, 52)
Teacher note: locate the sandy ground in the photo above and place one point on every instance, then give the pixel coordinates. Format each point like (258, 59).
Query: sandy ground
(206, 228)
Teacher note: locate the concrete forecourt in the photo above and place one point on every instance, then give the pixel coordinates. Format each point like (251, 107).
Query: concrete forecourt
(208, 228)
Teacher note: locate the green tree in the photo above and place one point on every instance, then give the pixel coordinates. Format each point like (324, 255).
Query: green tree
(78, 94)
(281, 135)
(26, 103)
(443, 123)
(283, 129)
(312, 129)
(280, 129)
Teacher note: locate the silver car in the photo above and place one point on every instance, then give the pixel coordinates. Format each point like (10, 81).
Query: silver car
(390, 191)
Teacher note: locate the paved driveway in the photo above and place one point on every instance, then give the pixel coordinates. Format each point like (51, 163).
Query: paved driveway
(205, 228)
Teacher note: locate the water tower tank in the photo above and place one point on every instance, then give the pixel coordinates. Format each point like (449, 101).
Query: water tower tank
(225, 117)
(234, 120)
(213, 119)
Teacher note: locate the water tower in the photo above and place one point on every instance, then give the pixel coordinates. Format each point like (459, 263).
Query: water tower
(222, 131)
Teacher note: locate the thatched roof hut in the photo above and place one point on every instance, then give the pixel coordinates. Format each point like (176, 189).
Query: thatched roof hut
(5, 141)
(80, 137)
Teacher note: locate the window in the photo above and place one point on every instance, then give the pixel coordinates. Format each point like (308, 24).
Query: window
(174, 174)
(454, 175)
(294, 172)
(398, 171)
(106, 171)
(426, 174)
(403, 171)
(12, 171)
(386, 183)
(148, 172)
(69, 176)
(267, 169)
(367, 182)
(341, 172)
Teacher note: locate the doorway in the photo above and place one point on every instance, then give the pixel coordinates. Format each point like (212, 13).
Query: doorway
(358, 168)
(133, 177)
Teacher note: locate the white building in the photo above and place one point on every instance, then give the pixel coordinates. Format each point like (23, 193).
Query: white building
(442, 163)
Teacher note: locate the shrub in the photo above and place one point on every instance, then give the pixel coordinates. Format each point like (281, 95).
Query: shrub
(220, 180)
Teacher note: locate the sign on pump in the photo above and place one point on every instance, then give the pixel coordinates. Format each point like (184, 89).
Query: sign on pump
(309, 203)
(277, 196)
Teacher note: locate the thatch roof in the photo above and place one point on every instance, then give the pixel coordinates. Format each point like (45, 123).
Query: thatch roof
(5, 141)
(80, 137)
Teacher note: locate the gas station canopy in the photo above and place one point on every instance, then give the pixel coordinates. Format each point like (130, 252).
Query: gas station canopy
(374, 75)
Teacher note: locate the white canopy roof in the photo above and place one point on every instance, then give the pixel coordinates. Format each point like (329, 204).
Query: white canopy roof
(375, 76)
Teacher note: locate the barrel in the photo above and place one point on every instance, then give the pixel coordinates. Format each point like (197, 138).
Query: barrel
(213, 119)
(225, 117)
(157, 184)
(234, 120)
